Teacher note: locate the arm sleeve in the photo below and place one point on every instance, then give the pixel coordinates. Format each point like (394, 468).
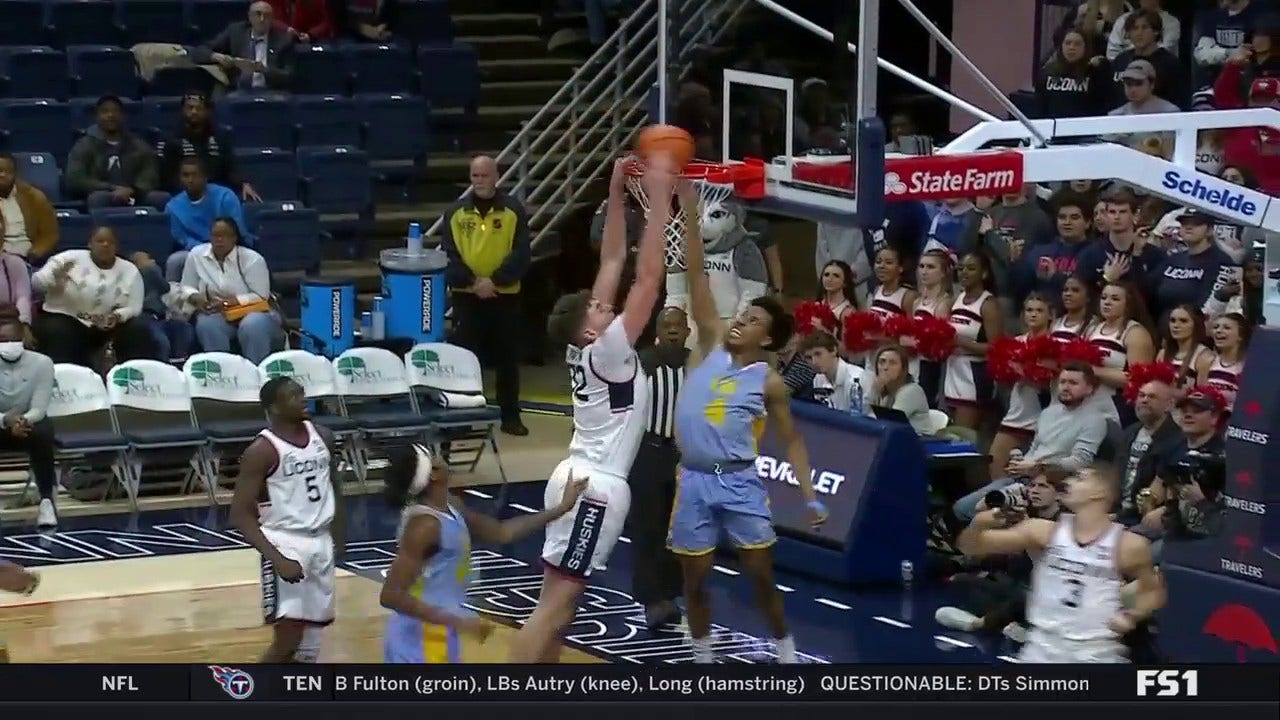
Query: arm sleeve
(41, 391)
(612, 357)
(457, 273)
(234, 209)
(1085, 448)
(516, 264)
(80, 180)
(134, 294)
(20, 287)
(42, 279)
(258, 280)
(1115, 41)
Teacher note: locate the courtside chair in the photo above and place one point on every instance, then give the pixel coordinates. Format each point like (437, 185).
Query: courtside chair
(153, 412)
(86, 438)
(316, 376)
(376, 395)
(224, 400)
(449, 389)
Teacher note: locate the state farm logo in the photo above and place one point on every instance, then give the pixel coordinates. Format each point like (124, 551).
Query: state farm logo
(1249, 506)
(941, 177)
(1250, 436)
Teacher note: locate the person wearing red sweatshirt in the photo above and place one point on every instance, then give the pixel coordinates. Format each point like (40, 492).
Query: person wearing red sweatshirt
(308, 20)
(1258, 148)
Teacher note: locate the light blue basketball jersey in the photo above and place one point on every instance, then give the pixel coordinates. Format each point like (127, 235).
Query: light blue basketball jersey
(720, 411)
(446, 575)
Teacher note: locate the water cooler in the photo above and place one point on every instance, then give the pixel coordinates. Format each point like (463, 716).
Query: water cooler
(414, 294)
(328, 316)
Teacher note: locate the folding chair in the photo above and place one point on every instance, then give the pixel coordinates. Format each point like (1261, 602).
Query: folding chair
(375, 392)
(447, 382)
(316, 376)
(153, 412)
(84, 429)
(224, 401)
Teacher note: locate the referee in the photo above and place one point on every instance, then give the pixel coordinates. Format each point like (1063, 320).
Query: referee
(656, 580)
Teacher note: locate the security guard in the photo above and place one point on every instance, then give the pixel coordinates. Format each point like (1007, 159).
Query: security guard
(486, 236)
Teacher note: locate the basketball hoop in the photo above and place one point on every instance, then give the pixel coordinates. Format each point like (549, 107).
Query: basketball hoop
(715, 182)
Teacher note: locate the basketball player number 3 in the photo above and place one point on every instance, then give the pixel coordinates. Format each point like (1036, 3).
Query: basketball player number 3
(313, 490)
(578, 379)
(1075, 592)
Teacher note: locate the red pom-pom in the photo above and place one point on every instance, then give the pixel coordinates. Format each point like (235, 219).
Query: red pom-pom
(935, 338)
(898, 326)
(1142, 373)
(1004, 357)
(1081, 350)
(1044, 347)
(813, 316)
(1040, 359)
(862, 330)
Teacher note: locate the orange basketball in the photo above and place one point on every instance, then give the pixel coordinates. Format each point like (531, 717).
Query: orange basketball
(668, 139)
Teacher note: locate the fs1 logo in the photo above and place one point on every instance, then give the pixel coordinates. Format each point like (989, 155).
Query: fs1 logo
(1169, 683)
(234, 682)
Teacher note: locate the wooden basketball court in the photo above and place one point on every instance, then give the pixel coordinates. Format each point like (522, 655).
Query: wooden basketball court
(196, 608)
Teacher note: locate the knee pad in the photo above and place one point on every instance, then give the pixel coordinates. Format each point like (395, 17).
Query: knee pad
(308, 651)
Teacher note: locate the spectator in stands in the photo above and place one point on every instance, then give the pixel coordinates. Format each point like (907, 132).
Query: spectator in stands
(193, 211)
(695, 114)
(1258, 148)
(230, 286)
(26, 385)
(365, 20)
(1184, 343)
(1098, 18)
(1070, 84)
(255, 54)
(486, 236)
(1259, 58)
(198, 138)
(1068, 435)
(1193, 276)
(1144, 29)
(901, 126)
(29, 224)
(307, 20)
(835, 382)
(1123, 255)
(797, 374)
(17, 281)
(1045, 268)
(1222, 31)
(92, 299)
(1140, 99)
(111, 166)
(814, 112)
(891, 386)
(954, 222)
(173, 336)
(1242, 298)
(1145, 445)
(1170, 29)
(1005, 234)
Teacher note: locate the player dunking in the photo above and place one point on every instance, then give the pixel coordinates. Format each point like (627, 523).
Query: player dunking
(719, 416)
(289, 469)
(1076, 606)
(609, 399)
(426, 586)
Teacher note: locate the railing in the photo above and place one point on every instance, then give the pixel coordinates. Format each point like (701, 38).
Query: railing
(567, 146)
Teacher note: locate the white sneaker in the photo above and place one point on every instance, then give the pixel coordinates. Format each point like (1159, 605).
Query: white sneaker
(957, 619)
(1015, 632)
(47, 517)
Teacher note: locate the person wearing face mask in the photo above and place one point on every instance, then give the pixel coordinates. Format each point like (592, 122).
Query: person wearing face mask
(26, 385)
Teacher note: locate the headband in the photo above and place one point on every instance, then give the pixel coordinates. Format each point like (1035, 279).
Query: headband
(422, 472)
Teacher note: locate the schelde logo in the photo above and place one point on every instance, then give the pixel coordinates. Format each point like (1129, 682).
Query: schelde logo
(1224, 196)
(947, 176)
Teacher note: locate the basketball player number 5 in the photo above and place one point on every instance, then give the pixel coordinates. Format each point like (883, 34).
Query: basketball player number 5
(313, 490)
(578, 381)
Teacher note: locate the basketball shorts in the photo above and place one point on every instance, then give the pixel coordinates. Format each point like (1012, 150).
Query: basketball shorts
(581, 541)
(1044, 648)
(311, 599)
(410, 641)
(736, 502)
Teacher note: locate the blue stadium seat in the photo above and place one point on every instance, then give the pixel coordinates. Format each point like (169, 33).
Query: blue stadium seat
(396, 129)
(138, 229)
(381, 69)
(38, 126)
(161, 115)
(32, 71)
(271, 171)
(163, 21)
(288, 235)
(41, 170)
(336, 180)
(25, 22)
(426, 22)
(258, 120)
(74, 229)
(210, 17)
(450, 76)
(321, 70)
(326, 120)
(98, 70)
(171, 81)
(84, 22)
(84, 114)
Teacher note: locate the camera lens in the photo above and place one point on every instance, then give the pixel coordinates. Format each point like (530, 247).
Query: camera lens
(995, 499)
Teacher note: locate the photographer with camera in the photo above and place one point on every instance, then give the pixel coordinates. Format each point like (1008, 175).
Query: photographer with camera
(1185, 501)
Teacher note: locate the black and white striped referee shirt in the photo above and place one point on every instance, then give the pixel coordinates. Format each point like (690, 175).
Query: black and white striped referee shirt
(664, 367)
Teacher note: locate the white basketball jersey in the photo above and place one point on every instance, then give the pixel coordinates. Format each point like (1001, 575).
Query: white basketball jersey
(610, 401)
(299, 490)
(1075, 589)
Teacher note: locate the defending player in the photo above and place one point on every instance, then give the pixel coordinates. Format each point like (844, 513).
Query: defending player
(719, 418)
(1075, 607)
(285, 504)
(426, 586)
(609, 401)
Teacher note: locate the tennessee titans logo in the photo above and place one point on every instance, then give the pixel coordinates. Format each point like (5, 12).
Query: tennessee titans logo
(235, 683)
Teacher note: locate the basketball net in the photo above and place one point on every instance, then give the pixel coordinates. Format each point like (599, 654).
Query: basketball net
(708, 192)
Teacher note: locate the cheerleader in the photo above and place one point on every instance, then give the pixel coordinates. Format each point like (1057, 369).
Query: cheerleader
(1231, 334)
(976, 316)
(1077, 312)
(1184, 344)
(837, 289)
(1124, 340)
(891, 297)
(1026, 401)
(934, 277)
